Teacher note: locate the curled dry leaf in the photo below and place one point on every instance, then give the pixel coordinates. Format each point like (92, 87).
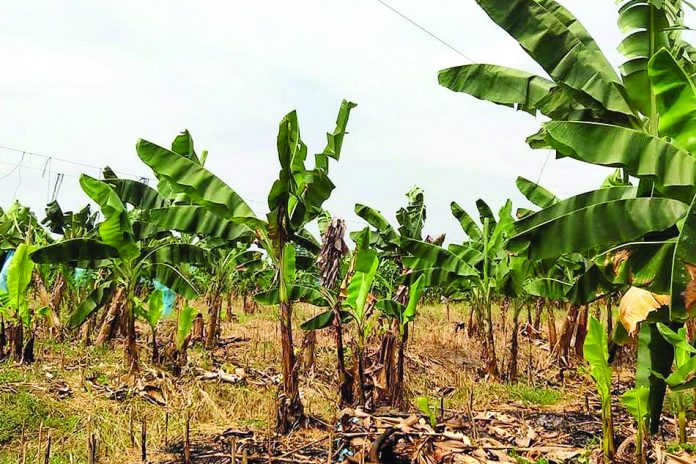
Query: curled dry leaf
(635, 306)
(689, 294)
(680, 458)
(619, 258)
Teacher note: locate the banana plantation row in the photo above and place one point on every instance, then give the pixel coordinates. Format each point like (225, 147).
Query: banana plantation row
(147, 249)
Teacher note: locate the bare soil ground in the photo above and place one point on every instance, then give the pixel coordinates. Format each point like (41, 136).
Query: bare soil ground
(74, 395)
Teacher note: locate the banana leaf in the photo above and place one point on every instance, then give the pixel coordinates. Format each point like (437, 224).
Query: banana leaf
(599, 227)
(558, 42)
(676, 100)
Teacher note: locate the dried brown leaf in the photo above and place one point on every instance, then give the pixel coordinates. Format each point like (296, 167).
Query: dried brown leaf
(636, 304)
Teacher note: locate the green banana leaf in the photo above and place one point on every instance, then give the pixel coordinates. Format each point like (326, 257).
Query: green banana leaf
(301, 293)
(535, 193)
(647, 23)
(647, 265)
(590, 286)
(197, 220)
(684, 377)
(143, 231)
(366, 263)
(499, 84)
(558, 42)
(287, 272)
(334, 140)
(175, 253)
(572, 204)
(116, 230)
(320, 321)
(138, 194)
(466, 253)
(96, 299)
(155, 306)
(414, 294)
(678, 340)
(387, 236)
(546, 287)
(324, 320)
(599, 227)
(183, 145)
(472, 230)
(170, 276)
(676, 100)
(485, 212)
(636, 403)
(18, 279)
(412, 218)
(184, 325)
(644, 156)
(199, 184)
(596, 353)
(654, 364)
(423, 255)
(74, 250)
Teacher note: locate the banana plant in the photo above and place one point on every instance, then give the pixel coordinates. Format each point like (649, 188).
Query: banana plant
(68, 225)
(627, 218)
(127, 261)
(684, 376)
(391, 241)
(636, 402)
(19, 225)
(596, 353)
(402, 315)
(640, 121)
(152, 314)
(229, 262)
(14, 305)
(295, 199)
(469, 267)
(359, 302)
(581, 85)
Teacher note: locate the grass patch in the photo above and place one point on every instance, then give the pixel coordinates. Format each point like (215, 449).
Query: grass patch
(8, 374)
(20, 410)
(521, 460)
(24, 411)
(677, 447)
(539, 396)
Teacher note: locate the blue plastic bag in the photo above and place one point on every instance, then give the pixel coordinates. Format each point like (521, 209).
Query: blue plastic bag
(5, 269)
(168, 297)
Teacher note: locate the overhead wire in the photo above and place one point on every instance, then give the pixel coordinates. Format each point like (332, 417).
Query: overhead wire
(431, 34)
(147, 179)
(19, 173)
(454, 49)
(68, 161)
(59, 176)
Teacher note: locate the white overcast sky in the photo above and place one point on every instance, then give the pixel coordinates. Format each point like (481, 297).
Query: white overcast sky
(83, 80)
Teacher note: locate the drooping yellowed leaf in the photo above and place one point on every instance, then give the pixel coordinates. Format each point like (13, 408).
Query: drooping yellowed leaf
(635, 306)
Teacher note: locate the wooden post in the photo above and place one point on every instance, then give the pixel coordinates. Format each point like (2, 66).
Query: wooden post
(91, 444)
(329, 458)
(38, 448)
(166, 429)
(47, 454)
(187, 442)
(143, 439)
(130, 429)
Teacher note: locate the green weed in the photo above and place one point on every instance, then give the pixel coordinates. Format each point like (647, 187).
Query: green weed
(540, 396)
